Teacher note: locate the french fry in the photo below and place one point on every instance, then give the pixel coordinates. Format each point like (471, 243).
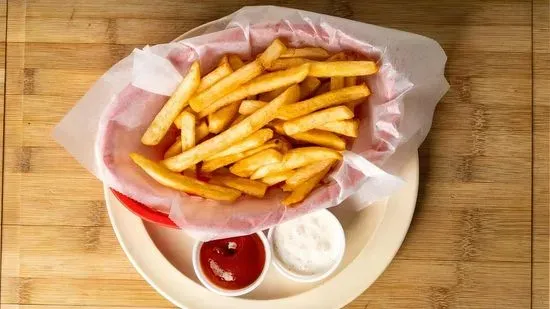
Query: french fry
(177, 121)
(247, 166)
(250, 106)
(238, 119)
(306, 52)
(303, 190)
(324, 88)
(235, 62)
(201, 131)
(250, 187)
(304, 173)
(164, 119)
(187, 126)
(350, 81)
(348, 127)
(336, 82)
(277, 125)
(223, 70)
(341, 56)
(261, 84)
(285, 64)
(184, 183)
(286, 188)
(270, 95)
(328, 99)
(321, 138)
(275, 178)
(225, 86)
(232, 135)
(342, 68)
(174, 149)
(212, 165)
(297, 158)
(272, 53)
(256, 139)
(220, 119)
(308, 86)
(316, 119)
(231, 82)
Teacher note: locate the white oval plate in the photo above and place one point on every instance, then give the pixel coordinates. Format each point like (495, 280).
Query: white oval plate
(373, 235)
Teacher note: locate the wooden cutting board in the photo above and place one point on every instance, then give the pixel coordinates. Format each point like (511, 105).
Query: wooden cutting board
(479, 238)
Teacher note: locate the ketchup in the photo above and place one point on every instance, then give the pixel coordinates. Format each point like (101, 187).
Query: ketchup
(233, 263)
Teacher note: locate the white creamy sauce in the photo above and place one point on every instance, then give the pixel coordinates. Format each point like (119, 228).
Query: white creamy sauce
(308, 245)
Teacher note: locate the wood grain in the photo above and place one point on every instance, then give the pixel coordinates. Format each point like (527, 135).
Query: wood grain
(541, 167)
(479, 238)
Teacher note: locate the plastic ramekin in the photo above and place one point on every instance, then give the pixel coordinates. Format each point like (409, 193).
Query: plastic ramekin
(292, 275)
(226, 292)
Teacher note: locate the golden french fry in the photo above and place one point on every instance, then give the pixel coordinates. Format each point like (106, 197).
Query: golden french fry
(336, 82)
(212, 165)
(342, 68)
(201, 131)
(184, 183)
(275, 178)
(225, 86)
(308, 86)
(286, 188)
(187, 126)
(220, 119)
(231, 82)
(324, 88)
(164, 119)
(321, 138)
(270, 95)
(247, 166)
(341, 56)
(348, 127)
(328, 99)
(277, 125)
(296, 158)
(174, 149)
(303, 190)
(261, 84)
(250, 187)
(350, 81)
(272, 53)
(282, 144)
(235, 62)
(177, 121)
(316, 119)
(223, 70)
(306, 172)
(232, 135)
(238, 119)
(256, 139)
(306, 52)
(285, 64)
(250, 106)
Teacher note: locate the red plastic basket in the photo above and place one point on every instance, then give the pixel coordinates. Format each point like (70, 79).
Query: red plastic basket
(144, 212)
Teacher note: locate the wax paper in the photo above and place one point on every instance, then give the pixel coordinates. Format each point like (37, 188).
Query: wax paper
(108, 122)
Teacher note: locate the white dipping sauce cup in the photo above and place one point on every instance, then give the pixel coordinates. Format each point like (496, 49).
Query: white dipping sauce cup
(287, 272)
(226, 292)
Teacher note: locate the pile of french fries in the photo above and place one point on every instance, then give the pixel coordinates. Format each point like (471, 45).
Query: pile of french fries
(282, 117)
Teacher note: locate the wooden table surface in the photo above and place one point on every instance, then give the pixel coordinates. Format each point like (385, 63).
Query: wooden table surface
(479, 237)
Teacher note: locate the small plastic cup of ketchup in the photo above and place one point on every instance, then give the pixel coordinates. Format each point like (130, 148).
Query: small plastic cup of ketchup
(232, 266)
